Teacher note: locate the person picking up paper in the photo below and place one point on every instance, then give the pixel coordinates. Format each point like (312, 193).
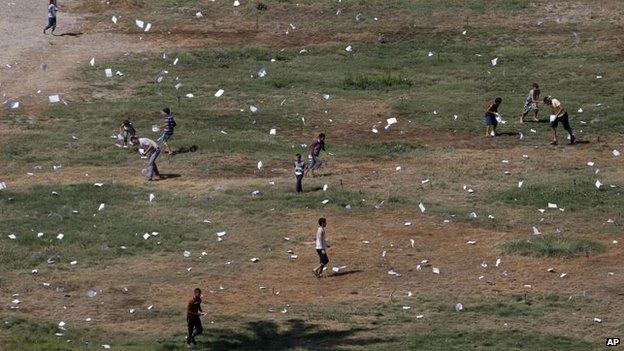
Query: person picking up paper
(150, 148)
(559, 115)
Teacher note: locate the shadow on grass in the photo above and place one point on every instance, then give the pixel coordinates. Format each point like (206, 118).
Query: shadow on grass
(164, 176)
(339, 274)
(69, 34)
(538, 121)
(266, 335)
(185, 149)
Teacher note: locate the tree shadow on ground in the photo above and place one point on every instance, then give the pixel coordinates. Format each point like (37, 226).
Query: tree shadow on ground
(339, 274)
(164, 176)
(68, 34)
(297, 334)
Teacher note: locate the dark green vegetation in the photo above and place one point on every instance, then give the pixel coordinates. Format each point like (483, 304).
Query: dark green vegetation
(553, 246)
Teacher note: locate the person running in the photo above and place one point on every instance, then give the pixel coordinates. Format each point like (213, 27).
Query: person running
(52, 9)
(148, 147)
(300, 168)
(531, 103)
(315, 151)
(127, 131)
(193, 320)
(321, 247)
(491, 112)
(559, 115)
(167, 128)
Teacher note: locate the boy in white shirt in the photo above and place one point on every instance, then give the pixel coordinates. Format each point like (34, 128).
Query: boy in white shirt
(321, 246)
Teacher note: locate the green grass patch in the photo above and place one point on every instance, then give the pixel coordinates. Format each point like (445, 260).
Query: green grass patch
(573, 194)
(493, 340)
(375, 82)
(91, 236)
(553, 246)
(377, 150)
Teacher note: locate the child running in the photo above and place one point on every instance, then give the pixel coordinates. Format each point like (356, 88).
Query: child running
(559, 115)
(168, 128)
(148, 147)
(321, 246)
(531, 103)
(315, 151)
(491, 112)
(52, 9)
(300, 168)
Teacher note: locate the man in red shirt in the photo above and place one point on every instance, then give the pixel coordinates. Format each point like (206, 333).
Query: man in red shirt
(193, 312)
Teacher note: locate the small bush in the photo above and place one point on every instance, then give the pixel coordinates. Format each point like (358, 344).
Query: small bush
(553, 246)
(375, 82)
(280, 81)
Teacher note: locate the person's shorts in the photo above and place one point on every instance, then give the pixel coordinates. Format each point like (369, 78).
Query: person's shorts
(491, 121)
(315, 162)
(530, 107)
(563, 120)
(322, 256)
(51, 22)
(165, 137)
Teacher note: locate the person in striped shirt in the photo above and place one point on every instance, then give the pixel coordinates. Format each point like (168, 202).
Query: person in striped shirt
(167, 128)
(531, 103)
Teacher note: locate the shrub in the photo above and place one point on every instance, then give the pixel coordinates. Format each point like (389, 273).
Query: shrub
(553, 246)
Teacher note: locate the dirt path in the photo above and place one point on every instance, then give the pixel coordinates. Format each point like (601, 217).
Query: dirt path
(32, 61)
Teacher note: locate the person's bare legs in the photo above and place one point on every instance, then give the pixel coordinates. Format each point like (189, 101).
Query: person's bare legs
(318, 271)
(535, 116)
(487, 131)
(554, 134)
(167, 148)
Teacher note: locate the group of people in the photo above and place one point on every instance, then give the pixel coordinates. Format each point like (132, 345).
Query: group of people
(532, 102)
(149, 147)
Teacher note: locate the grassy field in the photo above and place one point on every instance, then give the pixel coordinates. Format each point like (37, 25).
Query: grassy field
(426, 63)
